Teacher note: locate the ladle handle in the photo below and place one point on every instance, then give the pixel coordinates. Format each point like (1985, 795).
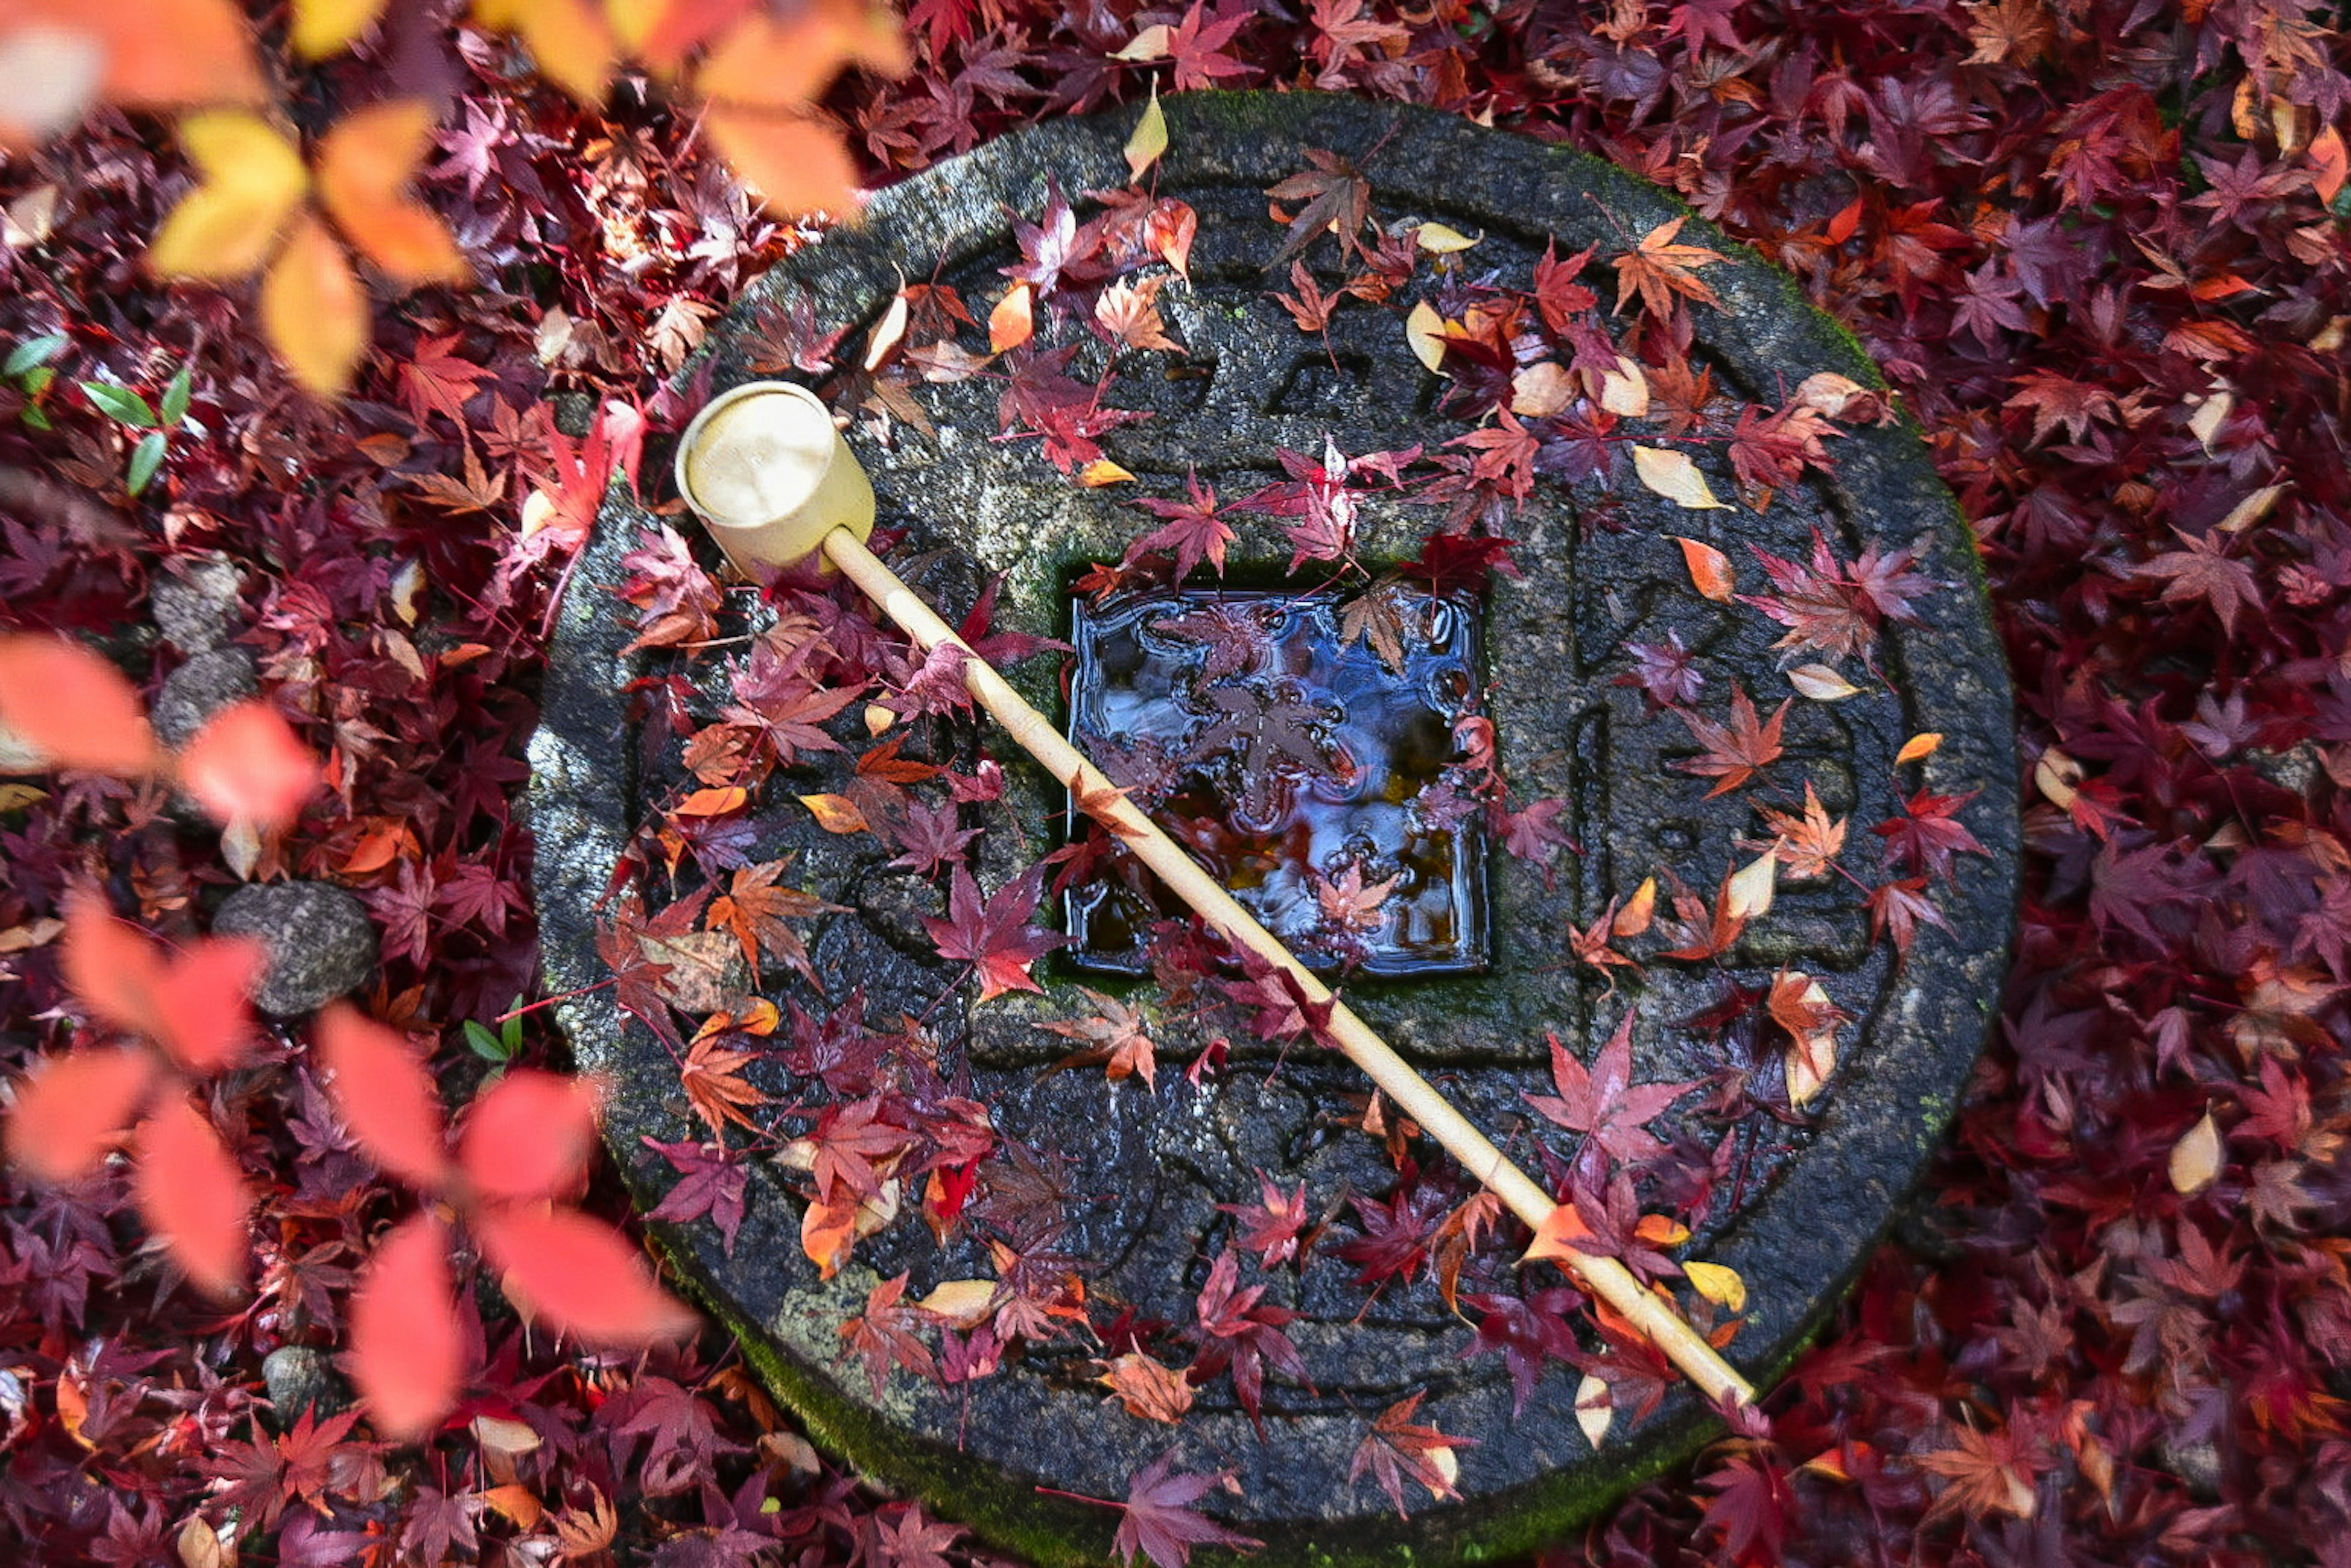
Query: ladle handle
(1604, 1277)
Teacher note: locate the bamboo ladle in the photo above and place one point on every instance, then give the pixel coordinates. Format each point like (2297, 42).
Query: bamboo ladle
(764, 467)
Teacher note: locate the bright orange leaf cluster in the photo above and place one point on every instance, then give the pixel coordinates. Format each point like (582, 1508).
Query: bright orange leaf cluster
(76, 710)
(523, 1150)
(254, 208)
(68, 55)
(753, 75)
(189, 1007)
(757, 82)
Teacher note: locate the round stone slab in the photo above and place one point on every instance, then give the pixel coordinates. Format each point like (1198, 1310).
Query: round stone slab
(1146, 1170)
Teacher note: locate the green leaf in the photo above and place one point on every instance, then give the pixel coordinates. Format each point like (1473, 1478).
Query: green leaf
(33, 352)
(120, 402)
(37, 380)
(174, 406)
(486, 1045)
(145, 459)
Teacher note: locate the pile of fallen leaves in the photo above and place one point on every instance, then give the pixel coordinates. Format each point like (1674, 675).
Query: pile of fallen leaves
(2100, 249)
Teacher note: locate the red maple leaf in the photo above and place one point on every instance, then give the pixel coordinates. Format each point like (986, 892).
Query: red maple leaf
(2201, 571)
(1338, 200)
(1271, 1227)
(1197, 46)
(1603, 1101)
(883, 1336)
(1899, 907)
(1928, 833)
(1193, 530)
(1243, 1331)
(1398, 1446)
(1557, 295)
(1733, 751)
(1659, 269)
(854, 1147)
(1506, 454)
(996, 937)
(754, 909)
(1820, 604)
(1158, 1520)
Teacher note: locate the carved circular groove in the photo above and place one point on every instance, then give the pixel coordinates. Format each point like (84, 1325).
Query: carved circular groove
(1149, 1168)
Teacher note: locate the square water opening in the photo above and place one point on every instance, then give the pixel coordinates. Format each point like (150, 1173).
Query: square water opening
(1304, 748)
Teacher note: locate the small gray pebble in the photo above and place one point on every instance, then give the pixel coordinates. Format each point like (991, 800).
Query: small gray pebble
(321, 944)
(201, 688)
(300, 1378)
(2198, 1463)
(197, 606)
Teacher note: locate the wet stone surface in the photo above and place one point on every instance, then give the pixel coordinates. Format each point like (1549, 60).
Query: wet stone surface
(1145, 1170)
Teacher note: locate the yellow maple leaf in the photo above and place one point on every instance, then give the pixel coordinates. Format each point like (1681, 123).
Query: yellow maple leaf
(254, 188)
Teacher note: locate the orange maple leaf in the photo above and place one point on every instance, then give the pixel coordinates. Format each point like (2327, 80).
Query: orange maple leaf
(254, 205)
(1657, 269)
